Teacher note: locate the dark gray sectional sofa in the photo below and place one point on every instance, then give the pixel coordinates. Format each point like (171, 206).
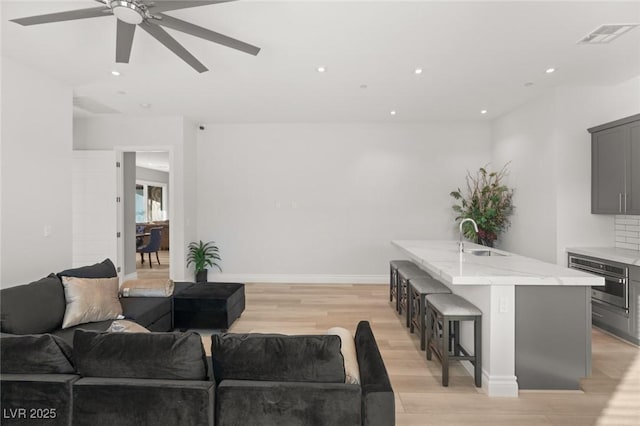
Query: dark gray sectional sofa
(39, 307)
(106, 379)
(299, 380)
(86, 376)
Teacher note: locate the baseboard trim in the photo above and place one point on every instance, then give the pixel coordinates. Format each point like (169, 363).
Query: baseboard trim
(300, 278)
(500, 386)
(132, 276)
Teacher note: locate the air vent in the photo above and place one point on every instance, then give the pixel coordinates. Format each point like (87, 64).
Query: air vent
(93, 106)
(607, 33)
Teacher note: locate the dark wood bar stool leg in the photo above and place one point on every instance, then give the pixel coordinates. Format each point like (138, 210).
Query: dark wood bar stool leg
(444, 351)
(391, 282)
(429, 332)
(456, 338)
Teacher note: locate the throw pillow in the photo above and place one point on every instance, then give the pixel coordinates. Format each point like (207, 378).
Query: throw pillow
(32, 308)
(104, 269)
(90, 300)
(171, 356)
(124, 326)
(147, 288)
(277, 358)
(348, 349)
(35, 354)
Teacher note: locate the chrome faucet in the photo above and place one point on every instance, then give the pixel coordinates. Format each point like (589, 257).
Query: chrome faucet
(475, 226)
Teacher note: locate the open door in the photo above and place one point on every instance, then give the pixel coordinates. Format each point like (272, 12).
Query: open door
(95, 210)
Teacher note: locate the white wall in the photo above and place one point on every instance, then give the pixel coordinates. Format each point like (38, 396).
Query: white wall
(581, 108)
(158, 133)
(36, 174)
(189, 196)
(525, 139)
(321, 202)
(550, 149)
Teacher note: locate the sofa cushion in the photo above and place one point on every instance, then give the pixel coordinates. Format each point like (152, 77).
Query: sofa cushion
(277, 358)
(104, 269)
(124, 326)
(145, 310)
(67, 334)
(90, 300)
(140, 402)
(348, 350)
(32, 308)
(246, 402)
(160, 287)
(35, 354)
(174, 356)
(44, 399)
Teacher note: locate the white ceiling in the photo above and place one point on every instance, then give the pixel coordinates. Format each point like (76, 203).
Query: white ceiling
(475, 55)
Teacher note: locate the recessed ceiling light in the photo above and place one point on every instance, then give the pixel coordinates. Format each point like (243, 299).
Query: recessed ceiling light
(116, 73)
(550, 70)
(484, 111)
(321, 69)
(418, 71)
(393, 112)
(145, 105)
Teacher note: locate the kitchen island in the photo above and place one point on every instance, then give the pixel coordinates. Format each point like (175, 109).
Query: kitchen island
(536, 326)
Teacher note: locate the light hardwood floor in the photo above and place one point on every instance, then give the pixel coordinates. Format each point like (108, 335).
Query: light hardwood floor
(610, 397)
(158, 271)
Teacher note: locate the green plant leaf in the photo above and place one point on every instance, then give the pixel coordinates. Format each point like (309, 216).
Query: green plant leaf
(487, 200)
(201, 255)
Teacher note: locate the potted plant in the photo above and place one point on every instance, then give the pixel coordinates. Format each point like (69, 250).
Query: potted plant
(203, 255)
(488, 202)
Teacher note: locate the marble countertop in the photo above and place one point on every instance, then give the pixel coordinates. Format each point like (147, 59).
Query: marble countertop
(443, 260)
(630, 257)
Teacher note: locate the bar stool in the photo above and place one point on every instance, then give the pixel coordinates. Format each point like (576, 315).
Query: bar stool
(405, 273)
(441, 310)
(419, 288)
(393, 277)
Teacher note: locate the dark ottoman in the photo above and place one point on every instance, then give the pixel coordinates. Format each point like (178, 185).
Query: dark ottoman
(207, 305)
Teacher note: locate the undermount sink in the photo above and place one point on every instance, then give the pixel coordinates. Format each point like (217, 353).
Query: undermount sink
(483, 252)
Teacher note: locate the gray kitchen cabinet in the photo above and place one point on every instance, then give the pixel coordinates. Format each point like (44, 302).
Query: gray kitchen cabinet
(615, 172)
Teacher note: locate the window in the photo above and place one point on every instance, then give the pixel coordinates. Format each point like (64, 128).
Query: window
(150, 202)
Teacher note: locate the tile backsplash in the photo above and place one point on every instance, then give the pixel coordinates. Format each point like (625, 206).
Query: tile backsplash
(627, 232)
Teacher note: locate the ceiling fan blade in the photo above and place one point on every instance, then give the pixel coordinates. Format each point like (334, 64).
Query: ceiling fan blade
(166, 5)
(124, 41)
(194, 30)
(170, 43)
(94, 12)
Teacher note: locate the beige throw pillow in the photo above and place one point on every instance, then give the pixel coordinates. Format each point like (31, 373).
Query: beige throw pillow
(90, 300)
(125, 326)
(348, 349)
(147, 288)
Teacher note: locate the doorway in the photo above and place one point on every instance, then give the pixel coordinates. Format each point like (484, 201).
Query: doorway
(147, 213)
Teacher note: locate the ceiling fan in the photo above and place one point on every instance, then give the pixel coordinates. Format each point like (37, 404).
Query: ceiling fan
(148, 15)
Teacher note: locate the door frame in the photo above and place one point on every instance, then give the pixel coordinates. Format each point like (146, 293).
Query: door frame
(120, 149)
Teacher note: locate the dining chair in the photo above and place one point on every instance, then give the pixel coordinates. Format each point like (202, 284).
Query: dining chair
(152, 246)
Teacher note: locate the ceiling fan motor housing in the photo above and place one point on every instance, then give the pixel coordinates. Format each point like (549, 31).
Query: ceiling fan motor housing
(130, 12)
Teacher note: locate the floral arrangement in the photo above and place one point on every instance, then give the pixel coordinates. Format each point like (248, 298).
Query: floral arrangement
(488, 202)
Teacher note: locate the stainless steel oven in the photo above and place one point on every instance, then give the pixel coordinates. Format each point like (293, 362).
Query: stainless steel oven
(615, 292)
